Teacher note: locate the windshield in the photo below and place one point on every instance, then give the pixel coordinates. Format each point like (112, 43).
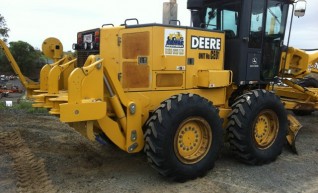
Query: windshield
(224, 17)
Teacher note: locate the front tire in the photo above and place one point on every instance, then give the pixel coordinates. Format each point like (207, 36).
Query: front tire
(183, 137)
(257, 127)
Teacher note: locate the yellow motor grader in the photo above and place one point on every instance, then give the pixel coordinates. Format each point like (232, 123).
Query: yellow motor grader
(177, 92)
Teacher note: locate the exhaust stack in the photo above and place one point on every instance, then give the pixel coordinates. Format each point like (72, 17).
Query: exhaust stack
(170, 12)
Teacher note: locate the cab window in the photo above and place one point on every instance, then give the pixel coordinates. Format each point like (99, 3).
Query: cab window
(224, 17)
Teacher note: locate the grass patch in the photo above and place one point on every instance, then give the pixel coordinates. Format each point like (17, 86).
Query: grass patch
(25, 106)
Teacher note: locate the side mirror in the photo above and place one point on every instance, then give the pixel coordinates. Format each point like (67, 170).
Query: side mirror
(300, 8)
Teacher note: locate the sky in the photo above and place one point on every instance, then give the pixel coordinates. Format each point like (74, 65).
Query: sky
(33, 21)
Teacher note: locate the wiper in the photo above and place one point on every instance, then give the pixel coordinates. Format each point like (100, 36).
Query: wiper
(274, 15)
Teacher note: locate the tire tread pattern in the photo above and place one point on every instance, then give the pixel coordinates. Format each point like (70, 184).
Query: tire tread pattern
(238, 126)
(154, 138)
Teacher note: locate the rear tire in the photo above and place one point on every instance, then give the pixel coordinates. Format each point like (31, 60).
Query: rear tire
(257, 127)
(183, 137)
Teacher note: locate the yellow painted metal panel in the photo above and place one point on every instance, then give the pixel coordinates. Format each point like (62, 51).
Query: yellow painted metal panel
(134, 134)
(82, 112)
(205, 51)
(169, 48)
(169, 83)
(129, 64)
(214, 78)
(109, 48)
(150, 101)
(112, 130)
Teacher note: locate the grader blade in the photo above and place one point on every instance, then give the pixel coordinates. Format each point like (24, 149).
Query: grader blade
(293, 129)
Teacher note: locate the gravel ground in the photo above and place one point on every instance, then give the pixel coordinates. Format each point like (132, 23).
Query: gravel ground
(40, 154)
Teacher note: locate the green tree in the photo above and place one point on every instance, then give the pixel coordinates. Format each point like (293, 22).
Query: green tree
(3, 29)
(26, 57)
(30, 60)
(5, 67)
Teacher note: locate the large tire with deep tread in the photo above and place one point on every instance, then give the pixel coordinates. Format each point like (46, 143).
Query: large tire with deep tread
(257, 127)
(183, 137)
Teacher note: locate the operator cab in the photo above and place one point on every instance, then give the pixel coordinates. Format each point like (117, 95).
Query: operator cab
(254, 32)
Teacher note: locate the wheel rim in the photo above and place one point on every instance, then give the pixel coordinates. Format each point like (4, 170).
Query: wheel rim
(192, 140)
(266, 128)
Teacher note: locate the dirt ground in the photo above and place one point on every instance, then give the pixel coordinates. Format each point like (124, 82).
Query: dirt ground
(38, 153)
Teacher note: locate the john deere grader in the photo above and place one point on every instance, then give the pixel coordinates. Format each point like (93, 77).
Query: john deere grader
(178, 92)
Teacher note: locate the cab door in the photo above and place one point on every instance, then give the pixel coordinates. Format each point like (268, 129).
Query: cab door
(265, 40)
(254, 41)
(276, 17)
